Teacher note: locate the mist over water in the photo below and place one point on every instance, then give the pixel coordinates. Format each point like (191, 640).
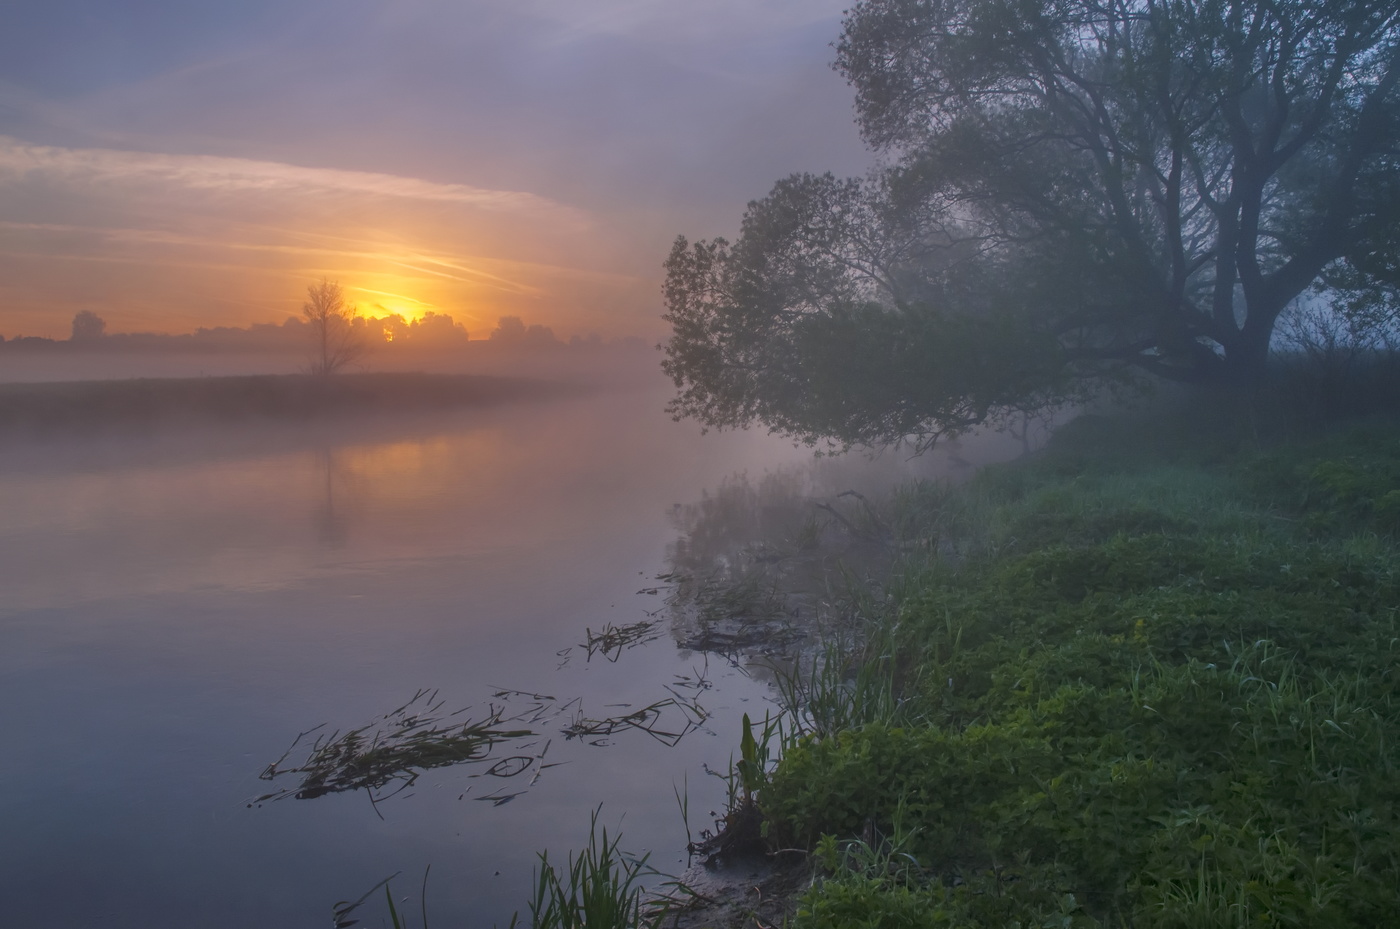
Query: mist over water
(179, 606)
(626, 361)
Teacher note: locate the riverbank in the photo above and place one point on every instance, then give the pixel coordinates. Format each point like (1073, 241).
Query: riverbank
(1145, 677)
(41, 409)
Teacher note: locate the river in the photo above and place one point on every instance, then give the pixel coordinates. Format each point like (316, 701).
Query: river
(177, 607)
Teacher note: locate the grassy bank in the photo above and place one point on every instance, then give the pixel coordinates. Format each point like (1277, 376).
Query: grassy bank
(1146, 677)
(1150, 677)
(112, 406)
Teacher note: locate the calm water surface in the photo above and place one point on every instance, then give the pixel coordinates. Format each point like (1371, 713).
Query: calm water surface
(177, 608)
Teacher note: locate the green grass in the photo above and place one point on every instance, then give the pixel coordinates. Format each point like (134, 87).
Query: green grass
(601, 888)
(1147, 678)
(1135, 681)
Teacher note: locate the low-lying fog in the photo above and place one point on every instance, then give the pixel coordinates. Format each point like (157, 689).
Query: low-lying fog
(66, 363)
(180, 605)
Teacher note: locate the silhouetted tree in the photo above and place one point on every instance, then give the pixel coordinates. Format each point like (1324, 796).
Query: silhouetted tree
(438, 329)
(88, 327)
(336, 341)
(1077, 189)
(511, 330)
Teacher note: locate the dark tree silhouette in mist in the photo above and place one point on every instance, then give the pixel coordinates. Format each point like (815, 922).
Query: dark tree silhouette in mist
(88, 327)
(1072, 191)
(511, 330)
(335, 341)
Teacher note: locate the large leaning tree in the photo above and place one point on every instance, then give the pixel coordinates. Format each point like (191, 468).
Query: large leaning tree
(1070, 191)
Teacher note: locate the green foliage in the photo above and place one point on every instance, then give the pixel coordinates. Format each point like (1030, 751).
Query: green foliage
(835, 691)
(1149, 696)
(753, 761)
(1350, 480)
(601, 888)
(858, 902)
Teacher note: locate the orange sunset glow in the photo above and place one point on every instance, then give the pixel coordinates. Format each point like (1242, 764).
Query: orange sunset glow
(232, 242)
(436, 434)
(200, 167)
(329, 379)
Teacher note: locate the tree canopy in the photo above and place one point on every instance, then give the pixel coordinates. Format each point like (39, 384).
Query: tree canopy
(1070, 190)
(335, 341)
(88, 326)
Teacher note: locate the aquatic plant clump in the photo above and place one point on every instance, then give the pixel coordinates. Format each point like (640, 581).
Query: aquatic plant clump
(387, 756)
(395, 749)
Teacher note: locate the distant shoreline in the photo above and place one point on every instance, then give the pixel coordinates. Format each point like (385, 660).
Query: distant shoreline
(47, 408)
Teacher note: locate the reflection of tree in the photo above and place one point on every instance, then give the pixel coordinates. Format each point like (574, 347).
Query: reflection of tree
(332, 527)
(739, 524)
(753, 568)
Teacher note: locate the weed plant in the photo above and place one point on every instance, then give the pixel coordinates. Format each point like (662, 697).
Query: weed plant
(600, 888)
(1126, 683)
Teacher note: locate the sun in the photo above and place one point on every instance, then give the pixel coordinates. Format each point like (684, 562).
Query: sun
(410, 314)
(377, 304)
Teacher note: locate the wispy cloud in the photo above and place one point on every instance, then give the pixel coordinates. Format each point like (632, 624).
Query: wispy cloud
(693, 23)
(402, 298)
(534, 267)
(470, 276)
(337, 249)
(242, 175)
(532, 158)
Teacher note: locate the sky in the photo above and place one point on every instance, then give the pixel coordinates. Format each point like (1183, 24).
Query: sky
(172, 164)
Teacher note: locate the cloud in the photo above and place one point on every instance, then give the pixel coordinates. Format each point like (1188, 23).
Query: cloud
(139, 243)
(177, 168)
(738, 20)
(242, 175)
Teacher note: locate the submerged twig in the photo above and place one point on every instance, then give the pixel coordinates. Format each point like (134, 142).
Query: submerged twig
(648, 719)
(611, 640)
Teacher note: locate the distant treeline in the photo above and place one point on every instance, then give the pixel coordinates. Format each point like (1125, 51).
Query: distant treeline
(116, 406)
(434, 331)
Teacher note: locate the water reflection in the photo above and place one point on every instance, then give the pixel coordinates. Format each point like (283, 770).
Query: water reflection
(765, 565)
(750, 576)
(177, 608)
(332, 524)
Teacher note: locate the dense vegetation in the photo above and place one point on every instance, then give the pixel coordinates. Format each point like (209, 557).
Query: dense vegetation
(1150, 677)
(1069, 193)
